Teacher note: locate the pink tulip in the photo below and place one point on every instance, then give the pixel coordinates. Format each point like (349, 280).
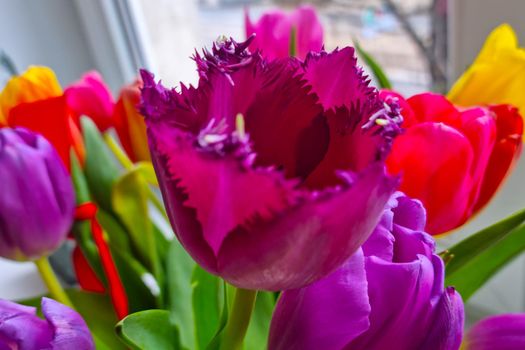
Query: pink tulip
(91, 97)
(273, 32)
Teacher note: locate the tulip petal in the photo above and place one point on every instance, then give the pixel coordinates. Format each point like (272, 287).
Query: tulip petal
(51, 118)
(327, 229)
(20, 328)
(41, 219)
(352, 110)
(326, 315)
(90, 96)
(431, 107)
(497, 76)
(479, 126)
(338, 81)
(286, 124)
(502, 332)
(224, 192)
(36, 83)
(507, 149)
(435, 161)
(420, 305)
(70, 330)
(272, 34)
(309, 30)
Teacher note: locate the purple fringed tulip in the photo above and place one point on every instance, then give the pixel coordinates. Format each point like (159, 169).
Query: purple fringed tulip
(502, 332)
(284, 195)
(37, 198)
(62, 329)
(389, 295)
(274, 29)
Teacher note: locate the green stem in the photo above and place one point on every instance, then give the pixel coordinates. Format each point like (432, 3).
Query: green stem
(51, 281)
(118, 152)
(239, 320)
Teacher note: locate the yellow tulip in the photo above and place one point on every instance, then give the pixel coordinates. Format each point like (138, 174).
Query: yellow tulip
(497, 75)
(36, 83)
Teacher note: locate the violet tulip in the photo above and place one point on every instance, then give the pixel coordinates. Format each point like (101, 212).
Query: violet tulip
(502, 332)
(389, 295)
(452, 159)
(274, 32)
(62, 329)
(37, 198)
(272, 172)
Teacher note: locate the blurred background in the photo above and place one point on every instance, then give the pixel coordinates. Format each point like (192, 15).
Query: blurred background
(421, 44)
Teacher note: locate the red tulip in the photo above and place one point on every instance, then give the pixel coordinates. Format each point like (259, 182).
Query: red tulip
(53, 119)
(451, 159)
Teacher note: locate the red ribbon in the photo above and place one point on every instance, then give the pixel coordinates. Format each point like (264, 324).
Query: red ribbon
(88, 211)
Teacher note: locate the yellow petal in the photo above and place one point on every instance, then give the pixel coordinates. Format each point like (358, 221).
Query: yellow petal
(36, 83)
(497, 75)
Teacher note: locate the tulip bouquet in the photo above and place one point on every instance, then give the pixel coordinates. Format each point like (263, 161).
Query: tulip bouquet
(282, 203)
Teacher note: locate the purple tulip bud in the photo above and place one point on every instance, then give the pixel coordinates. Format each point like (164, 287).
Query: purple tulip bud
(36, 197)
(272, 172)
(62, 329)
(389, 295)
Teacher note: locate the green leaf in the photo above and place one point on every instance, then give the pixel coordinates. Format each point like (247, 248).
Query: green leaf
(380, 76)
(179, 269)
(148, 330)
(259, 328)
(97, 311)
(101, 168)
(117, 234)
(477, 258)
(207, 302)
(135, 279)
(130, 202)
(82, 229)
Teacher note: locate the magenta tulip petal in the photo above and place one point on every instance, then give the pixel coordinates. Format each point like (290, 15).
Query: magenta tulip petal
(502, 332)
(70, 330)
(327, 230)
(244, 193)
(37, 205)
(338, 81)
(323, 309)
(234, 158)
(90, 96)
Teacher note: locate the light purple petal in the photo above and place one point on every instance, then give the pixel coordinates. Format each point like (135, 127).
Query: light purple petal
(20, 328)
(317, 317)
(502, 332)
(70, 330)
